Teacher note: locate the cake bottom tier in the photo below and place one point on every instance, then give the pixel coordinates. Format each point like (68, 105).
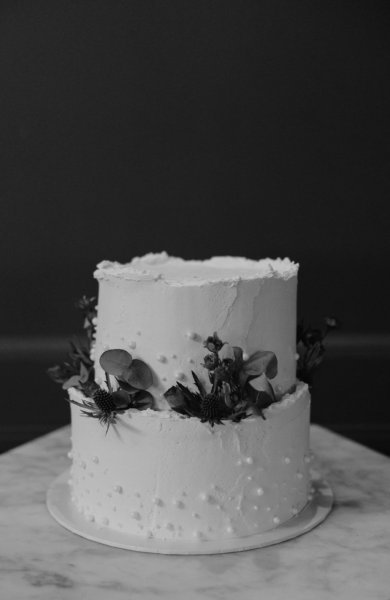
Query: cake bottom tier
(163, 476)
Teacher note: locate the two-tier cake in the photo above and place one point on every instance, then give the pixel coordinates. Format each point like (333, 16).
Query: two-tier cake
(199, 430)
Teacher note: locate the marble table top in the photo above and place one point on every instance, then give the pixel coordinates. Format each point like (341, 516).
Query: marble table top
(347, 556)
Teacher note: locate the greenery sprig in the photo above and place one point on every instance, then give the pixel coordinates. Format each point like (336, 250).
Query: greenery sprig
(78, 371)
(232, 395)
(310, 347)
(133, 376)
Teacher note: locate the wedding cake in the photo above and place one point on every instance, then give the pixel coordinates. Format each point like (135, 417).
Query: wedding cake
(188, 422)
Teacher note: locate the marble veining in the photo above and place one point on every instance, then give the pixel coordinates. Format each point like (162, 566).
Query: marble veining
(346, 557)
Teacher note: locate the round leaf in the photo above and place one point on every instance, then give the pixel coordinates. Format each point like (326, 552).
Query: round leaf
(143, 400)
(116, 362)
(139, 375)
(121, 399)
(73, 381)
(126, 386)
(175, 398)
(263, 361)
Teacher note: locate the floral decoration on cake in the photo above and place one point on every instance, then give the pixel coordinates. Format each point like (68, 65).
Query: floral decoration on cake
(240, 387)
(232, 395)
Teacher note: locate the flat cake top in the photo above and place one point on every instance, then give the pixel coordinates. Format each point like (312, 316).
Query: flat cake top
(177, 271)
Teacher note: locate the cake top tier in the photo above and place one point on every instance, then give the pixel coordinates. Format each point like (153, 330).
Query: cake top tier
(177, 271)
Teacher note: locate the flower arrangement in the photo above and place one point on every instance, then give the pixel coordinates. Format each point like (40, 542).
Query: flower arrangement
(232, 395)
(240, 386)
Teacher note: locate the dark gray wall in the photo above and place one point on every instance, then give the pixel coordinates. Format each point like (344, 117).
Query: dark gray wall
(200, 127)
(216, 126)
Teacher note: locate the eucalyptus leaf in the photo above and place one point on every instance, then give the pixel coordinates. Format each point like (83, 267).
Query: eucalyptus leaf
(73, 381)
(175, 398)
(261, 394)
(261, 384)
(139, 375)
(262, 361)
(262, 401)
(143, 400)
(126, 386)
(84, 373)
(226, 394)
(116, 362)
(121, 399)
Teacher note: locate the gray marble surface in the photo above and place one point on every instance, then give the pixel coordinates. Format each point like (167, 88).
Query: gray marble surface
(348, 556)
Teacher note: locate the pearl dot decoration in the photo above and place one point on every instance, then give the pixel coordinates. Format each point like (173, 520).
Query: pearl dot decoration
(178, 503)
(90, 518)
(158, 501)
(198, 535)
(105, 521)
(191, 335)
(299, 475)
(276, 520)
(161, 358)
(118, 489)
(95, 459)
(180, 375)
(132, 345)
(249, 460)
(287, 460)
(260, 491)
(170, 526)
(135, 515)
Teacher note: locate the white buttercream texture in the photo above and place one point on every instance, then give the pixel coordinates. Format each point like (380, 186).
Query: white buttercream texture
(157, 306)
(156, 473)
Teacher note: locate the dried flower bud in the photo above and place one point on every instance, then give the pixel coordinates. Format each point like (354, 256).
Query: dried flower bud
(213, 343)
(211, 362)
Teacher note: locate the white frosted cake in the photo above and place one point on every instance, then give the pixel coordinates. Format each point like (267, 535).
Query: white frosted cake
(220, 447)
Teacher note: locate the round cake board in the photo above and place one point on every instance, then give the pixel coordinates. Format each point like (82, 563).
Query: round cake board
(62, 510)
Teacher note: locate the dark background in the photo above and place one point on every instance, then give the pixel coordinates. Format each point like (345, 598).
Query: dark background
(255, 128)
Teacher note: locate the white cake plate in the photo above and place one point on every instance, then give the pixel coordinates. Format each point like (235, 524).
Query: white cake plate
(63, 511)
